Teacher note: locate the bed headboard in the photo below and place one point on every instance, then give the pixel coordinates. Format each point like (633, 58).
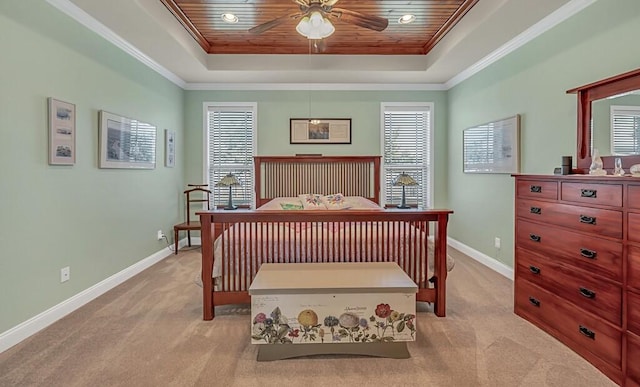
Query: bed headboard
(281, 176)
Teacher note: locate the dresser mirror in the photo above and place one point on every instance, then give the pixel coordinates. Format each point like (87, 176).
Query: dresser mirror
(616, 124)
(594, 111)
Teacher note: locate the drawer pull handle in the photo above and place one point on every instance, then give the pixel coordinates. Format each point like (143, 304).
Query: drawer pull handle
(534, 301)
(536, 188)
(534, 237)
(587, 219)
(587, 293)
(588, 253)
(536, 210)
(587, 332)
(534, 269)
(588, 193)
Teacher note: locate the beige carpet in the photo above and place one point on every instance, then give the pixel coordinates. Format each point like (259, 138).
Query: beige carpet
(149, 332)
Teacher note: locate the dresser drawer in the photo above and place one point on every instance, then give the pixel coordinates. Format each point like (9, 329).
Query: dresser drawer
(594, 220)
(633, 267)
(588, 193)
(582, 332)
(595, 255)
(633, 196)
(586, 291)
(633, 312)
(538, 189)
(633, 229)
(633, 354)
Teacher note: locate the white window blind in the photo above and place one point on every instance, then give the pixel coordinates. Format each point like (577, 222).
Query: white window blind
(625, 130)
(407, 147)
(230, 134)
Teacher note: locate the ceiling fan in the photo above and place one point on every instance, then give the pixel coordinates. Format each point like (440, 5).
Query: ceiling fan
(327, 10)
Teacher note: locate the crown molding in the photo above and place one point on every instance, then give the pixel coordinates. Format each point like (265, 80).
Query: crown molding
(88, 21)
(318, 86)
(552, 20)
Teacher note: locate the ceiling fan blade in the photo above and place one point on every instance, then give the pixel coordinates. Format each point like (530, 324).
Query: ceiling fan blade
(329, 3)
(360, 19)
(260, 28)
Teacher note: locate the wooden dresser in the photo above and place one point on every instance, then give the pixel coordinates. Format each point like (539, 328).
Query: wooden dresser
(577, 266)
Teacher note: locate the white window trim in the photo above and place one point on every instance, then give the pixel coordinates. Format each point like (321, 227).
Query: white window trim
(400, 106)
(205, 137)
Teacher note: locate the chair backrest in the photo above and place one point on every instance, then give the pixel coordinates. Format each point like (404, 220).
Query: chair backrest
(198, 194)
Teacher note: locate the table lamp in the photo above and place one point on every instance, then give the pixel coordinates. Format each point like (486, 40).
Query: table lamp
(404, 180)
(230, 180)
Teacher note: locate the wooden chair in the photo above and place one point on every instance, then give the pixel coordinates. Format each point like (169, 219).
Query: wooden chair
(197, 194)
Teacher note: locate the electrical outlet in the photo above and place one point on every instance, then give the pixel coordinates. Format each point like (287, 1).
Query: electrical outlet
(496, 243)
(160, 235)
(65, 274)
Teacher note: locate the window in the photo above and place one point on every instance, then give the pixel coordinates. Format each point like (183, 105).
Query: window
(230, 147)
(407, 137)
(625, 130)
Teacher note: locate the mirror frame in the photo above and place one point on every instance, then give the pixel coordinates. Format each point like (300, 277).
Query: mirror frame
(588, 93)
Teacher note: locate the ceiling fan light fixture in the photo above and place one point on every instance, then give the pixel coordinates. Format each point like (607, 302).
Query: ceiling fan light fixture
(315, 26)
(406, 19)
(229, 18)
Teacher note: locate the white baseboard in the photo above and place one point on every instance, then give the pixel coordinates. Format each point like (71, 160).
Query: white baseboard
(35, 324)
(484, 259)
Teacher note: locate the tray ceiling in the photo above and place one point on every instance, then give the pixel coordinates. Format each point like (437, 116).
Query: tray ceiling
(203, 20)
(185, 40)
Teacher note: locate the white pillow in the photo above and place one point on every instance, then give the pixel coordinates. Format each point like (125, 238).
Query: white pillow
(291, 205)
(336, 202)
(312, 202)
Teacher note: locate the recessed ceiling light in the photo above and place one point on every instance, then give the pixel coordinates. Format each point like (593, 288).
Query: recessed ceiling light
(229, 18)
(406, 19)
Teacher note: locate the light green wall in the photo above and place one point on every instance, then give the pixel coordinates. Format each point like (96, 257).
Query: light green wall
(275, 108)
(96, 221)
(600, 41)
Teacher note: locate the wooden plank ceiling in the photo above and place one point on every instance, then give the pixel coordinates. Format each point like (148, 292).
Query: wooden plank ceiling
(203, 20)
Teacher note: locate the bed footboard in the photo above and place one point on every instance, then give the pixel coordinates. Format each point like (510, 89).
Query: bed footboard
(249, 238)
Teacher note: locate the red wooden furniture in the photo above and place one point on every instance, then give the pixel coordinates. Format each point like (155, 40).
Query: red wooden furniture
(197, 194)
(239, 234)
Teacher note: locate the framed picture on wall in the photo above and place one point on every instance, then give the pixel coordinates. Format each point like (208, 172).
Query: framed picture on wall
(492, 147)
(169, 148)
(320, 131)
(62, 132)
(126, 143)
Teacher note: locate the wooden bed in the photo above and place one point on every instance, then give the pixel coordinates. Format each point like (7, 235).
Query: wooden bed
(244, 239)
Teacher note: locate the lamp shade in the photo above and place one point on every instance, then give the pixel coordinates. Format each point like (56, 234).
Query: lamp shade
(315, 26)
(404, 180)
(230, 180)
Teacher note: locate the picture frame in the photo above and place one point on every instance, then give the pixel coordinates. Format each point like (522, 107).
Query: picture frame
(320, 131)
(62, 132)
(169, 148)
(126, 143)
(493, 147)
